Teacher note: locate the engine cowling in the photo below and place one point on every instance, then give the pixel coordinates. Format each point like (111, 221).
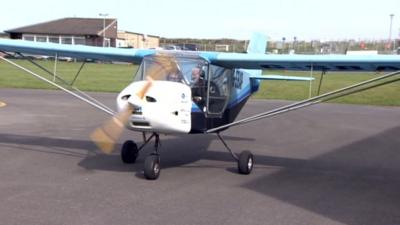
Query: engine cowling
(166, 107)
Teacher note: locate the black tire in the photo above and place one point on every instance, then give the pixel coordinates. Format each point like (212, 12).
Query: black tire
(246, 162)
(129, 152)
(152, 167)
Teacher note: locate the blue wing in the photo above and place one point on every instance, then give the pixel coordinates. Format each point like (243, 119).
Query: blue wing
(229, 60)
(305, 62)
(75, 51)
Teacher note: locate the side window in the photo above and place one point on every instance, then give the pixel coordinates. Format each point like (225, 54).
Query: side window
(218, 90)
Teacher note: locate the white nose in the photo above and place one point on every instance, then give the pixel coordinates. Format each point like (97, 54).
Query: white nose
(166, 107)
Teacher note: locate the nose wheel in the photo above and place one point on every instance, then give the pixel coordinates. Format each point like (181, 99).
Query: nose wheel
(152, 167)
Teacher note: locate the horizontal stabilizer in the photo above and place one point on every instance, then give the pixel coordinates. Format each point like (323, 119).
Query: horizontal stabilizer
(280, 77)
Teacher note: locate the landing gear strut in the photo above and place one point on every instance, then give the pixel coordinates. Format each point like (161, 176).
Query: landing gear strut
(130, 152)
(245, 160)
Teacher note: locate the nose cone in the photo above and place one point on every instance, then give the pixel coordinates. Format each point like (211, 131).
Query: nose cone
(165, 108)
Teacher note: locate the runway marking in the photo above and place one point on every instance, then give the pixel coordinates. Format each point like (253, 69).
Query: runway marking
(2, 104)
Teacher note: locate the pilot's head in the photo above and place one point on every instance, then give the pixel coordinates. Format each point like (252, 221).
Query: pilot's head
(196, 74)
(174, 77)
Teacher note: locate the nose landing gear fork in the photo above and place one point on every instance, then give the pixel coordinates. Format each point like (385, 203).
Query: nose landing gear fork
(152, 167)
(245, 160)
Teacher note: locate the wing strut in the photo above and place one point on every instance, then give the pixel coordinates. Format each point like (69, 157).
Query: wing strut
(362, 86)
(320, 81)
(92, 103)
(311, 76)
(70, 85)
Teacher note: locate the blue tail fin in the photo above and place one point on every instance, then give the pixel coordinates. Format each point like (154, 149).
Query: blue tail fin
(257, 44)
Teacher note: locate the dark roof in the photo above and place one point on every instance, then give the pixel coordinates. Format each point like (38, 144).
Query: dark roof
(71, 26)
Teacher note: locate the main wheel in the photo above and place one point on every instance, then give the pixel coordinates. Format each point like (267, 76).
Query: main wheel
(246, 162)
(152, 167)
(129, 152)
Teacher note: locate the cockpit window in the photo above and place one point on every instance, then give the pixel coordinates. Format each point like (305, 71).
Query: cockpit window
(170, 68)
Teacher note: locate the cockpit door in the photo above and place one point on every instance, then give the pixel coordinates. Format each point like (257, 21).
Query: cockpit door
(218, 90)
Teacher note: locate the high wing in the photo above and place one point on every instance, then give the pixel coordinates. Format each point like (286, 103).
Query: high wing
(229, 60)
(75, 51)
(305, 62)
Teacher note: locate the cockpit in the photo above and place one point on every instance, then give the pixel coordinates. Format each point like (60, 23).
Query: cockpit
(170, 68)
(210, 84)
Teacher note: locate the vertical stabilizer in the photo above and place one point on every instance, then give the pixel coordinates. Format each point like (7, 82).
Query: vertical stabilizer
(257, 44)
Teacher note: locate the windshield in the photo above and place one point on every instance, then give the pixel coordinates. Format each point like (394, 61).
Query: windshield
(169, 68)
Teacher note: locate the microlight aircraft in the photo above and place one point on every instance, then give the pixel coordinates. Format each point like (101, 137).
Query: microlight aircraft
(184, 92)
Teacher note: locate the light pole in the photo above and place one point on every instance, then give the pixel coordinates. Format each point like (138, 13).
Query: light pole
(390, 31)
(104, 15)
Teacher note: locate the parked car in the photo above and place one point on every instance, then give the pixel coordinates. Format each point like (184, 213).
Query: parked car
(172, 47)
(188, 47)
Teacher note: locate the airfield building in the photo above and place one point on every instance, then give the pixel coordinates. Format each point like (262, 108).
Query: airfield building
(127, 39)
(83, 31)
(3, 35)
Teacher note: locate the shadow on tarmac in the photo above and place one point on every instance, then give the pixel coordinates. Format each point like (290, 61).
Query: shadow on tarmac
(356, 184)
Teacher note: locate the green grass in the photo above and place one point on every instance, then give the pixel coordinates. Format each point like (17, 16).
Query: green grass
(93, 77)
(388, 95)
(114, 77)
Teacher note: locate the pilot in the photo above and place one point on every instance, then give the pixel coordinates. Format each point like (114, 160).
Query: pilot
(175, 76)
(198, 85)
(174, 72)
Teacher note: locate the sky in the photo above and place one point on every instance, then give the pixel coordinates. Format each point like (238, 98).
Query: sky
(304, 19)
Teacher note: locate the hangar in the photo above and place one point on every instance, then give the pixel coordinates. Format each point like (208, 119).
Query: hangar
(83, 31)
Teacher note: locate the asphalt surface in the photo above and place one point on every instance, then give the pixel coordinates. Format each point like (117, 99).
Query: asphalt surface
(327, 164)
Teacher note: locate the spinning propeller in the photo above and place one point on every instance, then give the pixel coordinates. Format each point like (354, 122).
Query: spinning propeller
(108, 134)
